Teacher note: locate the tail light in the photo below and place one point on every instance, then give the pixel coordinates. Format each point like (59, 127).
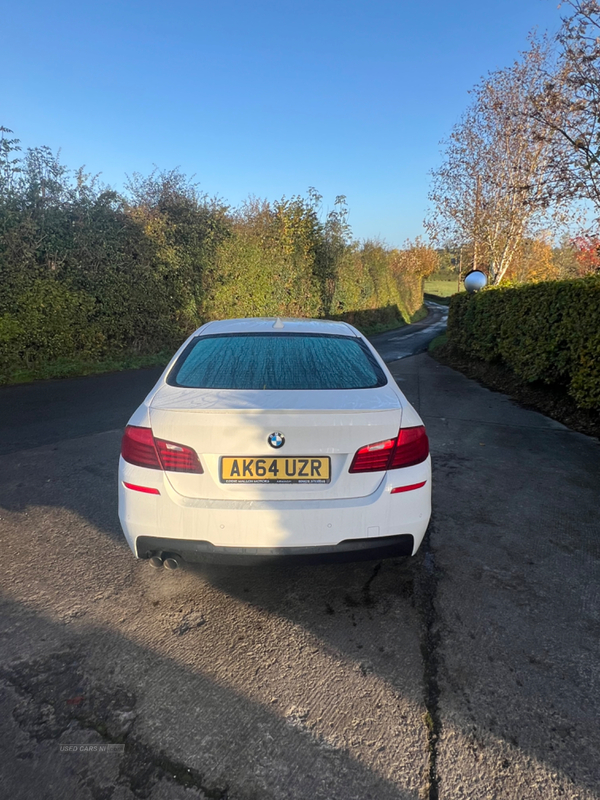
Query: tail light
(412, 447)
(139, 447)
(409, 448)
(177, 457)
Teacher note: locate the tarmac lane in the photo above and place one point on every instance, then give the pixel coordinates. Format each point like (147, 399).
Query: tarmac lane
(264, 683)
(412, 339)
(514, 603)
(470, 671)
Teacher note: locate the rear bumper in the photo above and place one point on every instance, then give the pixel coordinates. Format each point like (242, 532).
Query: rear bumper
(269, 529)
(205, 552)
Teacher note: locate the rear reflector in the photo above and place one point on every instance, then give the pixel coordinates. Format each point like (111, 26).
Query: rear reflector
(409, 448)
(139, 447)
(145, 489)
(399, 489)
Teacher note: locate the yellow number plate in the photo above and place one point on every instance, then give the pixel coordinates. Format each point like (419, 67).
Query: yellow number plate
(308, 469)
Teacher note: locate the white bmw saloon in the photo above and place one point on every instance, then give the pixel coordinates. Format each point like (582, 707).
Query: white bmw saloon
(269, 438)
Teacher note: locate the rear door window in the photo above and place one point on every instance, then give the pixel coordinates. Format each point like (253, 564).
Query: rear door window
(277, 361)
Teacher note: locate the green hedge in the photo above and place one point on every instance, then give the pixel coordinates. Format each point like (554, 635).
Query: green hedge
(90, 276)
(546, 332)
(49, 321)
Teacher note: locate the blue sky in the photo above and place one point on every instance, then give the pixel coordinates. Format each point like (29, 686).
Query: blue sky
(260, 98)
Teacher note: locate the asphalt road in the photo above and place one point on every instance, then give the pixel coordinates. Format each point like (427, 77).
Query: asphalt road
(412, 339)
(470, 671)
(42, 413)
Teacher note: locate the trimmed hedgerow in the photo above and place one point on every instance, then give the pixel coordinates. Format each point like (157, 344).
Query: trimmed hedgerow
(547, 332)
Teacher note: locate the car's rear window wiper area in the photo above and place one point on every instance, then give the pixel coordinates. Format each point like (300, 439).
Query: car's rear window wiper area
(281, 361)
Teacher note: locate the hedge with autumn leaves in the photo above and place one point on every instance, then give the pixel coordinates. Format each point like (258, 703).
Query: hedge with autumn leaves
(88, 274)
(547, 332)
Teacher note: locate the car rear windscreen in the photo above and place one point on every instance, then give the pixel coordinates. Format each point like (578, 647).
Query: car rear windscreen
(277, 361)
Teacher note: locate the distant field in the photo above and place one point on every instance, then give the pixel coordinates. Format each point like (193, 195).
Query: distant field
(442, 288)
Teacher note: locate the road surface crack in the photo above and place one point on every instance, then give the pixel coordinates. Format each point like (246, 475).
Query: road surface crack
(426, 590)
(368, 599)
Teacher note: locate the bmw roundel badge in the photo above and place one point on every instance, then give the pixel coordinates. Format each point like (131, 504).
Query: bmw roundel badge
(276, 440)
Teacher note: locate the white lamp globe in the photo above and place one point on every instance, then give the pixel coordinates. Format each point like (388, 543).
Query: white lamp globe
(475, 280)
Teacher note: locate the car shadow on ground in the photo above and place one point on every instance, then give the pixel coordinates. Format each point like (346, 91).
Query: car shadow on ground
(76, 682)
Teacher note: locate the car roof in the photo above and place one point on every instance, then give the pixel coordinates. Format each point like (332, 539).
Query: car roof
(278, 324)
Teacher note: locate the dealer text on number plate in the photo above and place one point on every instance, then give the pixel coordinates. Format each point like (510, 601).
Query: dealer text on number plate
(305, 469)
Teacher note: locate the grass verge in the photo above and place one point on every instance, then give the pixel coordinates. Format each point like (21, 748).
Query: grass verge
(439, 341)
(442, 289)
(379, 327)
(553, 401)
(74, 368)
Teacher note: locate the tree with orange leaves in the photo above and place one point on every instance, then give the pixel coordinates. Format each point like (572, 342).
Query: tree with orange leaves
(587, 255)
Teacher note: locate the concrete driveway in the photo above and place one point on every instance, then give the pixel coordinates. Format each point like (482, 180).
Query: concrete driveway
(470, 671)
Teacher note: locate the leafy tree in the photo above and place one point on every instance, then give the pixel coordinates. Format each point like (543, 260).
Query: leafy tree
(185, 228)
(267, 266)
(491, 189)
(587, 255)
(534, 261)
(565, 106)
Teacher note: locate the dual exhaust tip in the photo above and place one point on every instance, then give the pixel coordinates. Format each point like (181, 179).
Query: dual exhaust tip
(167, 560)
